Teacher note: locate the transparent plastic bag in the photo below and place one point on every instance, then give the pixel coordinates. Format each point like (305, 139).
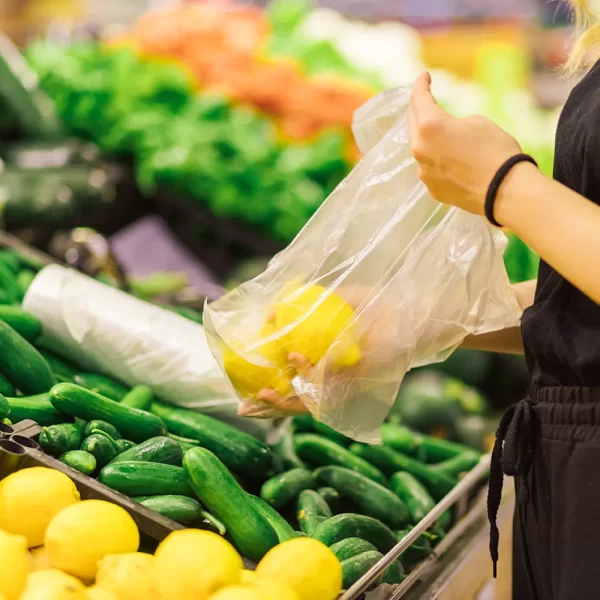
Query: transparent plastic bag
(382, 279)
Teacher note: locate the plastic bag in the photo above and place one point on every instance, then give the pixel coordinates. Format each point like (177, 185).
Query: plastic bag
(382, 279)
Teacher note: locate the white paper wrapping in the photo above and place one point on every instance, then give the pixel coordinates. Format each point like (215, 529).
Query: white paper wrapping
(105, 330)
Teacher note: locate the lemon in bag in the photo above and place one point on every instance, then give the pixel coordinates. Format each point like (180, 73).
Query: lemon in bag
(14, 561)
(312, 319)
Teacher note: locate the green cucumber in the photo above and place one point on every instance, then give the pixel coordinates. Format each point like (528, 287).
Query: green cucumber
(239, 451)
(285, 488)
(351, 547)
(6, 387)
(322, 451)
(102, 426)
(4, 407)
(22, 322)
(185, 443)
(389, 461)
(435, 450)
(181, 509)
(124, 445)
(22, 364)
(60, 368)
(24, 280)
(161, 449)
(37, 408)
(458, 465)
(146, 479)
(418, 550)
(372, 498)
(112, 441)
(311, 511)
(80, 460)
(332, 434)
(100, 447)
(137, 425)
(55, 440)
(400, 438)
(347, 525)
(219, 491)
(10, 258)
(413, 493)
(354, 568)
(281, 527)
(331, 496)
(139, 397)
(286, 453)
(303, 424)
(105, 386)
(394, 574)
(9, 284)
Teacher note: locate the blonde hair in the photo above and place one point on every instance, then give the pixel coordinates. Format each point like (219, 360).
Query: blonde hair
(586, 49)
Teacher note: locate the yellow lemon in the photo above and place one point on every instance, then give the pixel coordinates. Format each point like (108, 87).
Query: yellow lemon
(52, 584)
(239, 592)
(274, 589)
(84, 533)
(309, 567)
(30, 498)
(248, 577)
(41, 560)
(317, 318)
(97, 593)
(192, 564)
(249, 378)
(128, 576)
(14, 565)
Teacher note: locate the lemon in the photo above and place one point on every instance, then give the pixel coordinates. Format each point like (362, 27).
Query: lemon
(14, 564)
(239, 592)
(309, 567)
(192, 564)
(52, 584)
(274, 589)
(97, 593)
(249, 378)
(317, 318)
(128, 576)
(248, 577)
(30, 498)
(41, 560)
(84, 533)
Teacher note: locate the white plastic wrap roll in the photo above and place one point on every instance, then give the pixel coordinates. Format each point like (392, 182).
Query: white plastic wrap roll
(105, 330)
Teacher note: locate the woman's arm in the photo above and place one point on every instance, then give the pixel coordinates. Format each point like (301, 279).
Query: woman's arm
(507, 341)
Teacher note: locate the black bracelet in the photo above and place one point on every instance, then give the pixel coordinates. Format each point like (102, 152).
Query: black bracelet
(492, 193)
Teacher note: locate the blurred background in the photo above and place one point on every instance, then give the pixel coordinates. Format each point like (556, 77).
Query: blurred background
(197, 138)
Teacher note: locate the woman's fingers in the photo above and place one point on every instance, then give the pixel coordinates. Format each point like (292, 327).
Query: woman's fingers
(291, 405)
(299, 362)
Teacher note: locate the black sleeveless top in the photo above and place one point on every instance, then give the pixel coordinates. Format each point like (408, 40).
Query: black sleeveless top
(561, 331)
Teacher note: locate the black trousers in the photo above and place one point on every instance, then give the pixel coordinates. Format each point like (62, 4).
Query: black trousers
(557, 520)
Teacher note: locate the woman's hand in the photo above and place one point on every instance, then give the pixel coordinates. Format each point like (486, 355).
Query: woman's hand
(457, 158)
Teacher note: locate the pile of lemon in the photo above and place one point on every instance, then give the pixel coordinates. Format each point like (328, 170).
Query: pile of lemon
(54, 546)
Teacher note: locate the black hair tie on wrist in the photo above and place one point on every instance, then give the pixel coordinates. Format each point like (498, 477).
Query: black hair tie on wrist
(492, 193)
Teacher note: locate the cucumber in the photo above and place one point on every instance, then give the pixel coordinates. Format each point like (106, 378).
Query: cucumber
(400, 438)
(322, 451)
(23, 323)
(55, 440)
(181, 509)
(146, 479)
(303, 424)
(137, 425)
(9, 285)
(285, 488)
(37, 408)
(139, 397)
(105, 386)
(347, 525)
(61, 369)
(160, 449)
(281, 527)
(24, 280)
(286, 453)
(10, 258)
(417, 551)
(239, 451)
(97, 424)
(372, 498)
(218, 490)
(311, 511)
(435, 450)
(124, 445)
(389, 461)
(81, 461)
(394, 574)
(4, 407)
(100, 447)
(458, 465)
(351, 547)
(112, 441)
(413, 493)
(184, 443)
(6, 387)
(22, 364)
(331, 496)
(332, 434)
(354, 568)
